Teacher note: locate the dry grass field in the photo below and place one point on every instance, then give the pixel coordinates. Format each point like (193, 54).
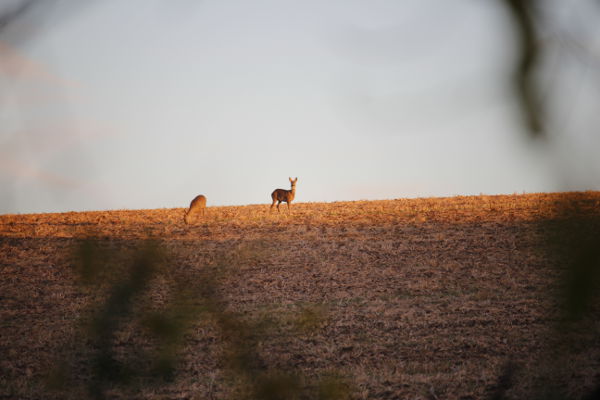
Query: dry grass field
(436, 298)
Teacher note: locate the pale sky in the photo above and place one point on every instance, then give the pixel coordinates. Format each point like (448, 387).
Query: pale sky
(147, 103)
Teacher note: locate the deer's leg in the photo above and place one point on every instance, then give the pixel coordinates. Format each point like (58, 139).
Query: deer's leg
(272, 204)
(278, 203)
(288, 204)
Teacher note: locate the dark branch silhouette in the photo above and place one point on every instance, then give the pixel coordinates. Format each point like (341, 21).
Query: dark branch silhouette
(526, 90)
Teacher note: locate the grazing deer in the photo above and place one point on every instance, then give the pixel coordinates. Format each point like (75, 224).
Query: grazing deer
(197, 206)
(280, 195)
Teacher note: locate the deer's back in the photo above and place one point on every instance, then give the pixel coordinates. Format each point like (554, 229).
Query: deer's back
(198, 202)
(282, 195)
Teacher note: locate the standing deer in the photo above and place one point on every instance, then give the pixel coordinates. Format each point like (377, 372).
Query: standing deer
(197, 206)
(280, 195)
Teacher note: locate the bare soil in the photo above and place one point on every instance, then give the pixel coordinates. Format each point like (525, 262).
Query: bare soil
(434, 298)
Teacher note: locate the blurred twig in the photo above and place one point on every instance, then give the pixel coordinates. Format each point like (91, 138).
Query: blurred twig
(11, 14)
(529, 54)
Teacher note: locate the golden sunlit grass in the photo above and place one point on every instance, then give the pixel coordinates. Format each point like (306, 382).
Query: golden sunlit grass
(407, 298)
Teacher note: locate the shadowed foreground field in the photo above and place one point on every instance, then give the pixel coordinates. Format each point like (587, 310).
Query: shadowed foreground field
(442, 298)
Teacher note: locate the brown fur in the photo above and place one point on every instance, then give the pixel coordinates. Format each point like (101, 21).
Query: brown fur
(197, 206)
(282, 195)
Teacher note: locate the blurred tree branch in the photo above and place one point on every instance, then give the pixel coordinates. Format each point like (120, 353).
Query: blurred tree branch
(522, 12)
(11, 14)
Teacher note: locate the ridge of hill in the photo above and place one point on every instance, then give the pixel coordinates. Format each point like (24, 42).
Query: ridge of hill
(457, 209)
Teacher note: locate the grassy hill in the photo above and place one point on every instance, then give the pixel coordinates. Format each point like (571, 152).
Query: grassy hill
(435, 298)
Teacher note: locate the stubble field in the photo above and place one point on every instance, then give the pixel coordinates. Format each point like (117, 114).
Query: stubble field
(437, 298)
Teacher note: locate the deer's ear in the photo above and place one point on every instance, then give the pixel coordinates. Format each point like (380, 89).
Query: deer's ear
(290, 179)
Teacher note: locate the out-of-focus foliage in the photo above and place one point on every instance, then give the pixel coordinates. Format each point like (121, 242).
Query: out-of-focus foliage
(119, 285)
(574, 239)
(130, 337)
(576, 242)
(529, 48)
(537, 31)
